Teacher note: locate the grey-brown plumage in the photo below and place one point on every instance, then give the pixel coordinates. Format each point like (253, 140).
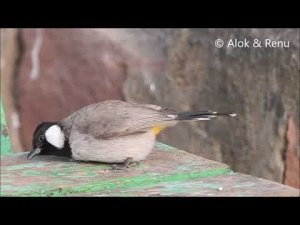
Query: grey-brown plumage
(114, 118)
(113, 131)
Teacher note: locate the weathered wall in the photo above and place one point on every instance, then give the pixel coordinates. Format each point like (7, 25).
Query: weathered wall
(180, 69)
(63, 70)
(261, 85)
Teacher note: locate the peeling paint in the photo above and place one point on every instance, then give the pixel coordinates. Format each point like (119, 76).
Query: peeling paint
(5, 147)
(15, 120)
(120, 183)
(34, 54)
(164, 147)
(25, 166)
(166, 173)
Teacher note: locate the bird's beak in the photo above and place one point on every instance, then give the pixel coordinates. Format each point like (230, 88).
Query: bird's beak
(33, 153)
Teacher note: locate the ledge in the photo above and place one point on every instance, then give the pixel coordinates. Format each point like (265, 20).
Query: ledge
(167, 172)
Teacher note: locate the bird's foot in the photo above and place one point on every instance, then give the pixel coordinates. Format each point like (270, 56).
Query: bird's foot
(72, 160)
(124, 165)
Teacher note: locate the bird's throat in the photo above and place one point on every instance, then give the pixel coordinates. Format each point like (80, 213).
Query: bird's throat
(51, 150)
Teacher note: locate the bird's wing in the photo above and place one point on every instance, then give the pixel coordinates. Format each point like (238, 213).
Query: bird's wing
(116, 118)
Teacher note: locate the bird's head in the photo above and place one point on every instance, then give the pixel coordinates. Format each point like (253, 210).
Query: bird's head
(48, 139)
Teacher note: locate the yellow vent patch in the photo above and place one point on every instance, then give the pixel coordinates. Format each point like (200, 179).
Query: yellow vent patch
(157, 129)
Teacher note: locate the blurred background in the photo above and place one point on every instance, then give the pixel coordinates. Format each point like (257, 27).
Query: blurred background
(48, 73)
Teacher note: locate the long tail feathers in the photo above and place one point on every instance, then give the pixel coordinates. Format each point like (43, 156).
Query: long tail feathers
(202, 115)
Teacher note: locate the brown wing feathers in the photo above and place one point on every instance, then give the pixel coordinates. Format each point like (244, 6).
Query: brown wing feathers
(115, 118)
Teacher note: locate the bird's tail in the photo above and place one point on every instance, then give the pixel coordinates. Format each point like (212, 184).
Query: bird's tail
(202, 115)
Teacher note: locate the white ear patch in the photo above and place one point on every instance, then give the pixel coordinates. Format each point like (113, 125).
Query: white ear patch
(55, 136)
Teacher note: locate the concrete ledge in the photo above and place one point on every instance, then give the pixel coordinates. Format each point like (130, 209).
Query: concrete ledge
(166, 172)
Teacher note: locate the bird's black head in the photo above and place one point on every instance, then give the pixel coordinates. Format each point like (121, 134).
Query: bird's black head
(49, 139)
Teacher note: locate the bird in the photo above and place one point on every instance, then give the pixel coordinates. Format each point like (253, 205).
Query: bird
(111, 131)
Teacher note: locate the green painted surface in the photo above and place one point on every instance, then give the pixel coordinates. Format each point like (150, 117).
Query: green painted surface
(5, 140)
(228, 184)
(83, 171)
(164, 147)
(27, 165)
(166, 172)
(140, 182)
(57, 176)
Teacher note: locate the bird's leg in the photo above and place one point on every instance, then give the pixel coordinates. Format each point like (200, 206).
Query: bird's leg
(123, 165)
(128, 161)
(73, 160)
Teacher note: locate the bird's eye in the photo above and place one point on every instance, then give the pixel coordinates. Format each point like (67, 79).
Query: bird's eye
(41, 138)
